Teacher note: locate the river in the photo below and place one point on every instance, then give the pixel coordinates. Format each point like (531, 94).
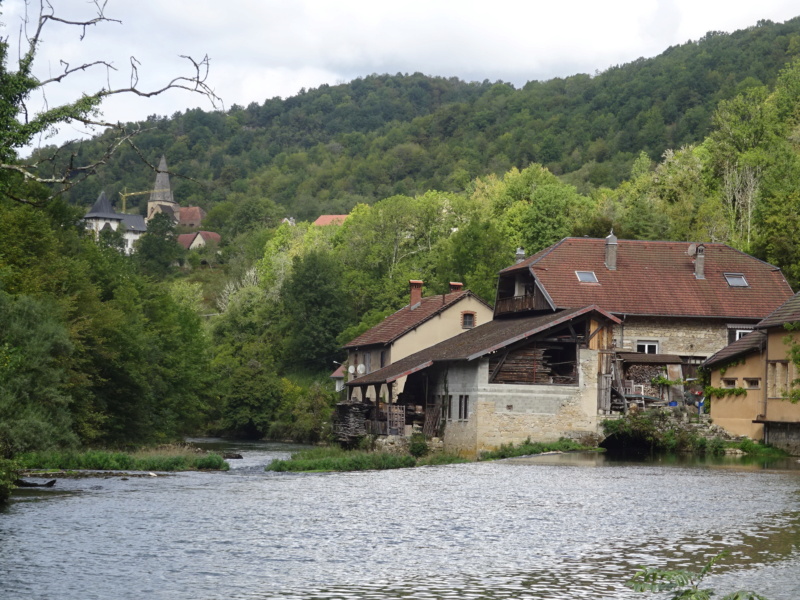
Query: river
(564, 527)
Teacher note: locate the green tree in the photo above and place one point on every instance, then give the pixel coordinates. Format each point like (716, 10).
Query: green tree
(158, 250)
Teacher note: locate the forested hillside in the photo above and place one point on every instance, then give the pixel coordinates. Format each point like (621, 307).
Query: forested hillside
(327, 149)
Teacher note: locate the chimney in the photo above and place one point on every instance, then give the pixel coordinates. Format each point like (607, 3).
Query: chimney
(416, 292)
(456, 286)
(611, 251)
(700, 262)
(520, 255)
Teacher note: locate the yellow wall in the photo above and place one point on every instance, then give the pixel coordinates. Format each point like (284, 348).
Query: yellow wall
(735, 414)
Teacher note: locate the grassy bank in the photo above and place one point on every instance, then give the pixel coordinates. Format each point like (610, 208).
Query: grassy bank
(102, 460)
(528, 447)
(336, 459)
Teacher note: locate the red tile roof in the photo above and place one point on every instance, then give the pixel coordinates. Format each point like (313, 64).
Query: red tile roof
(186, 239)
(755, 341)
(330, 220)
(657, 279)
(210, 236)
(408, 318)
(788, 312)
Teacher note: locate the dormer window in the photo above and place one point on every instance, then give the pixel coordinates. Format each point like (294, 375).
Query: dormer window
(736, 280)
(586, 276)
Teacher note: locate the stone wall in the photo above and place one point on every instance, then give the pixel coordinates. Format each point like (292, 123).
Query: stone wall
(684, 337)
(785, 436)
(511, 413)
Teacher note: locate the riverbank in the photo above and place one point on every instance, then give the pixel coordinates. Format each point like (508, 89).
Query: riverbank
(158, 459)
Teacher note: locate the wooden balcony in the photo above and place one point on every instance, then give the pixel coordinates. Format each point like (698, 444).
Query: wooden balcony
(517, 304)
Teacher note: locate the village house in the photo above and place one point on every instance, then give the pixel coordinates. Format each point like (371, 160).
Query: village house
(102, 217)
(198, 239)
(423, 322)
(755, 377)
(570, 324)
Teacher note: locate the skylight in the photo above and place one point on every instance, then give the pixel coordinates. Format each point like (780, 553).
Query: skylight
(736, 280)
(586, 276)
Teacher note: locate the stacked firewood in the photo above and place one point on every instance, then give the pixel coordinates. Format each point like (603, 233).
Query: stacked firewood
(643, 375)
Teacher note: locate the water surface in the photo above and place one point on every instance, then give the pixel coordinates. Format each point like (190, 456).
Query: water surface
(552, 527)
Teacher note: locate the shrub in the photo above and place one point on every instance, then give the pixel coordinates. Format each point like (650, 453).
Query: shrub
(336, 459)
(527, 447)
(418, 445)
(101, 460)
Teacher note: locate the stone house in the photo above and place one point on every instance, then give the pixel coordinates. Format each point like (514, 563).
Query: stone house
(423, 322)
(533, 375)
(198, 239)
(674, 298)
(759, 372)
(102, 217)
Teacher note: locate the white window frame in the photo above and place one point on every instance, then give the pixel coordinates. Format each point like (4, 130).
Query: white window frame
(646, 344)
(586, 277)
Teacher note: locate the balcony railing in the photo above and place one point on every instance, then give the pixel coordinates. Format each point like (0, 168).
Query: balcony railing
(515, 304)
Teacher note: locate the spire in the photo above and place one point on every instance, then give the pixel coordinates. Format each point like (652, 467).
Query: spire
(161, 190)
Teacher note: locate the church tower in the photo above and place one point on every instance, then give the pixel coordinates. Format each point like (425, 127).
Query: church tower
(161, 200)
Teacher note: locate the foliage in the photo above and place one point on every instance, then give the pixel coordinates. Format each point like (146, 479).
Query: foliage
(757, 449)
(683, 584)
(335, 459)
(418, 445)
(326, 150)
(654, 431)
(8, 474)
(528, 447)
(715, 392)
(102, 460)
(440, 458)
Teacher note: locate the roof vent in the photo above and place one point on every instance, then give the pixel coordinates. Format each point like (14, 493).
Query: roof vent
(456, 286)
(520, 255)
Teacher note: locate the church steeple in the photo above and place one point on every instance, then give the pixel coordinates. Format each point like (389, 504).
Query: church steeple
(161, 190)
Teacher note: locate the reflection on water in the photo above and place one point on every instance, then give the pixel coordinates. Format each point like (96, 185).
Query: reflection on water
(562, 527)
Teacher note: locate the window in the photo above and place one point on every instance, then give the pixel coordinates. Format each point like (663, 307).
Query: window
(740, 333)
(736, 280)
(586, 276)
(448, 407)
(463, 407)
(383, 358)
(368, 361)
(729, 383)
(468, 320)
(752, 383)
(646, 346)
(737, 331)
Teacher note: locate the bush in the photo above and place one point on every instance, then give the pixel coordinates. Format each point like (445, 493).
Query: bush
(101, 460)
(418, 445)
(527, 447)
(336, 459)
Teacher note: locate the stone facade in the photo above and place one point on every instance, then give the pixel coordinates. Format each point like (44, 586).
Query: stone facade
(510, 413)
(698, 338)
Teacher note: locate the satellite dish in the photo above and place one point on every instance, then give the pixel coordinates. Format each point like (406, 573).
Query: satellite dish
(351, 369)
(361, 369)
(692, 249)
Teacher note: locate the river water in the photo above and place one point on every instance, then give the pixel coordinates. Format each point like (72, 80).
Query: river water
(565, 527)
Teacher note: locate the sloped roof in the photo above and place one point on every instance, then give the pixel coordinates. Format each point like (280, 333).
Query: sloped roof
(191, 214)
(408, 318)
(788, 312)
(161, 190)
(186, 239)
(210, 236)
(752, 342)
(323, 220)
(102, 209)
(338, 373)
(476, 342)
(134, 223)
(657, 278)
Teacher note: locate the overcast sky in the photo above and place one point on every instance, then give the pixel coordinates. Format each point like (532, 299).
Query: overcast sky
(265, 48)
